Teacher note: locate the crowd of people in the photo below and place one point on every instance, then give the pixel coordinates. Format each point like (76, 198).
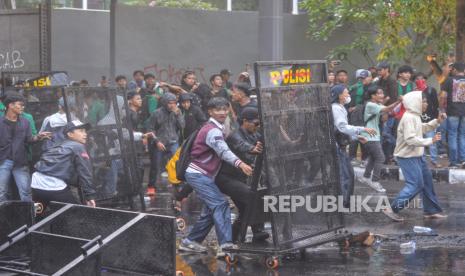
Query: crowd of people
(393, 120)
(386, 118)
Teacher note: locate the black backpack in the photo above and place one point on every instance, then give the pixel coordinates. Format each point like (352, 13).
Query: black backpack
(185, 157)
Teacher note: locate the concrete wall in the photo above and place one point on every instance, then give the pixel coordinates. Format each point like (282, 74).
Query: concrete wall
(81, 43)
(169, 41)
(19, 40)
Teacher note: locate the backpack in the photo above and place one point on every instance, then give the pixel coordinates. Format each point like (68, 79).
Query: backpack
(357, 117)
(185, 157)
(171, 168)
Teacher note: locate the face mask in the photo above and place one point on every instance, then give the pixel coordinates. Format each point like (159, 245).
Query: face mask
(347, 101)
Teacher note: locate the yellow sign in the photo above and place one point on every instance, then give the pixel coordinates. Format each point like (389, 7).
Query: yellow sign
(291, 76)
(39, 82)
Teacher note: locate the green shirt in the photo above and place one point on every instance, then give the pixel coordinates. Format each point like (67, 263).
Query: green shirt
(372, 108)
(96, 112)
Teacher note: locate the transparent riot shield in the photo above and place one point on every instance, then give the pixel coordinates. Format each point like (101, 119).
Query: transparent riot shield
(110, 142)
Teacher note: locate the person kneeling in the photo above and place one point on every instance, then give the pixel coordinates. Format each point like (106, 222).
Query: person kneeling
(63, 165)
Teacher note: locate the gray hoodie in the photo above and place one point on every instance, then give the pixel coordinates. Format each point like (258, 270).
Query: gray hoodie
(165, 124)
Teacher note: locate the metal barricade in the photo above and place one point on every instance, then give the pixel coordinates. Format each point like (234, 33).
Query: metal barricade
(80, 240)
(111, 145)
(299, 156)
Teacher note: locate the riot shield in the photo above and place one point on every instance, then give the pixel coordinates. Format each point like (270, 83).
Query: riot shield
(300, 154)
(110, 142)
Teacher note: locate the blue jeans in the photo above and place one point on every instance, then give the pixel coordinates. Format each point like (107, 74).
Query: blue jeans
(22, 179)
(418, 179)
(215, 210)
(433, 149)
(157, 158)
(346, 176)
(456, 139)
(111, 178)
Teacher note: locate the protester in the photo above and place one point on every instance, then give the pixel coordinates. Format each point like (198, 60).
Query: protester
(245, 143)
(409, 154)
(64, 165)
(121, 82)
(225, 76)
(166, 123)
(331, 78)
(208, 150)
(193, 115)
(386, 82)
(356, 108)
(345, 133)
(15, 135)
(138, 81)
(373, 111)
(431, 112)
(454, 89)
(342, 77)
(56, 123)
(404, 83)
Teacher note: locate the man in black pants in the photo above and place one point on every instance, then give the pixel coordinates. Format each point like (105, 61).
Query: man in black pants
(63, 165)
(244, 142)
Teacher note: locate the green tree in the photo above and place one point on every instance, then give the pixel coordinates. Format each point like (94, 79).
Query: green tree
(402, 31)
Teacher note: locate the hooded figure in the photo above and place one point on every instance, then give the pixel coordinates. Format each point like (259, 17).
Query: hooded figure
(410, 141)
(409, 154)
(167, 124)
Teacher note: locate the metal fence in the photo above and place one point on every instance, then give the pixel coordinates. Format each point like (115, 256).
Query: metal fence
(80, 240)
(300, 157)
(110, 143)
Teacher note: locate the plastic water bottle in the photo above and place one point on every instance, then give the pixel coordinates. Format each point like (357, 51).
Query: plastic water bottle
(408, 247)
(421, 229)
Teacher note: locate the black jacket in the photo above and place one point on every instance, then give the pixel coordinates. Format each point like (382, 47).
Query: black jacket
(166, 125)
(432, 111)
(241, 143)
(193, 118)
(69, 162)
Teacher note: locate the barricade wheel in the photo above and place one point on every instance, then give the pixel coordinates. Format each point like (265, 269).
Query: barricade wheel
(231, 259)
(38, 208)
(179, 273)
(272, 262)
(181, 223)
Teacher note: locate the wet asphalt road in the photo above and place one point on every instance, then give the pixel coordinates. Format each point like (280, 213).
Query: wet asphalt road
(434, 255)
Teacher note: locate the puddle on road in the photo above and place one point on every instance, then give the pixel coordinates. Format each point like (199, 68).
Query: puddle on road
(360, 261)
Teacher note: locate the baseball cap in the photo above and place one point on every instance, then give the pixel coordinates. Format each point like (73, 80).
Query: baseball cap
(75, 124)
(383, 65)
(362, 74)
(249, 113)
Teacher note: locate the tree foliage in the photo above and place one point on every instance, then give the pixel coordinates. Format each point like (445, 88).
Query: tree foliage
(396, 30)
(187, 4)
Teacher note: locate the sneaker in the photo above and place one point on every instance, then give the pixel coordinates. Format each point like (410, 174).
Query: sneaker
(150, 191)
(220, 251)
(377, 186)
(164, 174)
(436, 165)
(364, 179)
(435, 216)
(395, 217)
(191, 246)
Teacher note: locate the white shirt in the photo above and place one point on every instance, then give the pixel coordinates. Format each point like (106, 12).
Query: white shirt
(41, 181)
